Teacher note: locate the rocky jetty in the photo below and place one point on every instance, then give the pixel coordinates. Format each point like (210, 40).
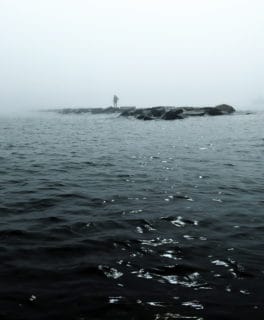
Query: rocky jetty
(173, 113)
(162, 112)
(92, 110)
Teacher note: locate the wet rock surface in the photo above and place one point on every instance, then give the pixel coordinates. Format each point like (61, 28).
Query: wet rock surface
(173, 113)
(153, 113)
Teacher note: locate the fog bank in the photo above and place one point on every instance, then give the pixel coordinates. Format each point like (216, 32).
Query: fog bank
(161, 52)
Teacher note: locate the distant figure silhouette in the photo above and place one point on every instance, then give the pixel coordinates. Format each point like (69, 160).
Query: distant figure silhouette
(115, 100)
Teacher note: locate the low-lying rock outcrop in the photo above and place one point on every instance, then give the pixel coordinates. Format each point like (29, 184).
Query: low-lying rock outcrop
(173, 113)
(162, 112)
(92, 110)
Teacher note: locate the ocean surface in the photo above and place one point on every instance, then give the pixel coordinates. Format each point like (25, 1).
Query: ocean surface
(105, 217)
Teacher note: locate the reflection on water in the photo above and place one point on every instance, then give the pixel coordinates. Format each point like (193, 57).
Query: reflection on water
(104, 217)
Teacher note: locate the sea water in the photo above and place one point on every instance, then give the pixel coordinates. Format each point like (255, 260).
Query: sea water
(104, 217)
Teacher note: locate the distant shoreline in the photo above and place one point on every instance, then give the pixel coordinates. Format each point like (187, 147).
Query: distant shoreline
(153, 113)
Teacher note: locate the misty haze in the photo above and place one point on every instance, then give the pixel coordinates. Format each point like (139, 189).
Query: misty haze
(65, 53)
(131, 159)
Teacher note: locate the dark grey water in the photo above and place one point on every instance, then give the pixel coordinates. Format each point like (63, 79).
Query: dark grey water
(111, 218)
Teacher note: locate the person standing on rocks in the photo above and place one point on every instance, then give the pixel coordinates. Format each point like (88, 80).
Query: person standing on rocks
(115, 100)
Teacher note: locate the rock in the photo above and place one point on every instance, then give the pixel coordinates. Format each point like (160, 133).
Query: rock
(91, 110)
(126, 113)
(173, 113)
(105, 110)
(146, 118)
(157, 111)
(225, 108)
(143, 116)
(213, 112)
(193, 112)
(160, 112)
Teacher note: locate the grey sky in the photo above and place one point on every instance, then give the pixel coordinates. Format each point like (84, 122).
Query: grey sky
(148, 52)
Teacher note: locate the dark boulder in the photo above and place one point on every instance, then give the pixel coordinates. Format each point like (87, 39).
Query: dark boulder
(213, 112)
(172, 114)
(144, 117)
(157, 112)
(127, 113)
(225, 108)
